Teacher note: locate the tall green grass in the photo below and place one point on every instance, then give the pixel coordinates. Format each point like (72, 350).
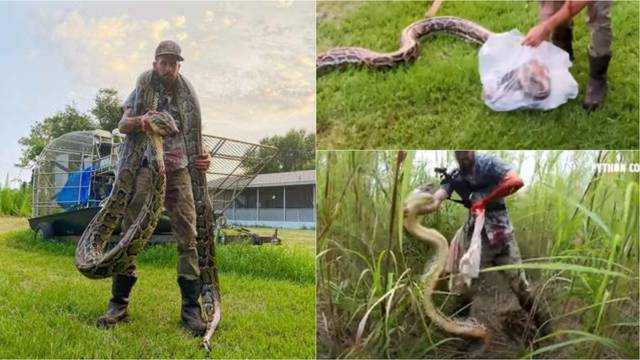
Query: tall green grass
(268, 262)
(577, 230)
(15, 202)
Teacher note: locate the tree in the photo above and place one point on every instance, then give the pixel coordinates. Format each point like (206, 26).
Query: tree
(107, 109)
(296, 151)
(42, 132)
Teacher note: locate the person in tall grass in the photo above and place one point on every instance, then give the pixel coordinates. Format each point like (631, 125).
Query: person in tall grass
(556, 19)
(482, 182)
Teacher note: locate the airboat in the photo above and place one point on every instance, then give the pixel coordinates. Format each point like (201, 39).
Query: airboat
(74, 174)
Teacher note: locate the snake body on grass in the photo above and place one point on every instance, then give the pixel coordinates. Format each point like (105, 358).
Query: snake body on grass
(532, 77)
(417, 204)
(409, 44)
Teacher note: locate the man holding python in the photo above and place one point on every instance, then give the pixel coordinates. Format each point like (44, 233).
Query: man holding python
(482, 182)
(163, 89)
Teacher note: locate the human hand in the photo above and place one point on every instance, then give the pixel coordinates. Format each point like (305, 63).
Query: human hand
(144, 121)
(433, 206)
(203, 162)
(536, 35)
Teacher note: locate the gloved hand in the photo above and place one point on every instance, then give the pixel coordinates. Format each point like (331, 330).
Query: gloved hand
(509, 184)
(478, 207)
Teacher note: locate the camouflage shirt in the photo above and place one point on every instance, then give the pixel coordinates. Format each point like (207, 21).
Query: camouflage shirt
(485, 177)
(175, 150)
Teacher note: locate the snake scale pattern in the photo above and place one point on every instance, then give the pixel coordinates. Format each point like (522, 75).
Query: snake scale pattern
(90, 259)
(416, 204)
(409, 45)
(532, 78)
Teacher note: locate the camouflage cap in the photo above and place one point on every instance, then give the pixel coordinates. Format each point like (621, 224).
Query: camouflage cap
(169, 47)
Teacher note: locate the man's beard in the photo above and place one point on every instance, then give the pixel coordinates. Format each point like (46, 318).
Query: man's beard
(467, 166)
(169, 80)
(171, 83)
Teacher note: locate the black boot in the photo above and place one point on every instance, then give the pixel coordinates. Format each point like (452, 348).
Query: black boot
(562, 37)
(191, 313)
(597, 87)
(117, 310)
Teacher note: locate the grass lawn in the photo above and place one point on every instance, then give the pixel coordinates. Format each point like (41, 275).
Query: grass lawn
(436, 103)
(47, 309)
(291, 237)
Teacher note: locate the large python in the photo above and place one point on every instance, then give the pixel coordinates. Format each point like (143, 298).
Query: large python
(90, 259)
(416, 204)
(527, 77)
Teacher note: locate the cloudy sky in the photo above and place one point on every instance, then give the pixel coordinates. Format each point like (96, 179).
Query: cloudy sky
(251, 63)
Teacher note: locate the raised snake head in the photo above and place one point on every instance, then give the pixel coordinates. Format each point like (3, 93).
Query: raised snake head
(420, 201)
(163, 124)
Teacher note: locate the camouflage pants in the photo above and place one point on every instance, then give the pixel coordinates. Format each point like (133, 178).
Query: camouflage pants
(182, 213)
(598, 20)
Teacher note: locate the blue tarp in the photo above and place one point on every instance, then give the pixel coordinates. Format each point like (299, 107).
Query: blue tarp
(76, 190)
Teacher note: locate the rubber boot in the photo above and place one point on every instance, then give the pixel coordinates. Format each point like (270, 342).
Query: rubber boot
(191, 312)
(562, 37)
(597, 86)
(117, 309)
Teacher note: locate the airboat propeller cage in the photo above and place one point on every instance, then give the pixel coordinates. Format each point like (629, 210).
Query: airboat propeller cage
(75, 172)
(234, 166)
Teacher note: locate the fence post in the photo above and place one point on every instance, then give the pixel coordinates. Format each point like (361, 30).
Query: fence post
(284, 203)
(258, 204)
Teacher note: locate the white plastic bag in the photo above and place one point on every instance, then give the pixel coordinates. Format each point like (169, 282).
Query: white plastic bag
(456, 248)
(470, 261)
(522, 77)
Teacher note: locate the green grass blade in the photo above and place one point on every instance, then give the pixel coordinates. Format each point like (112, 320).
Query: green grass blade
(556, 266)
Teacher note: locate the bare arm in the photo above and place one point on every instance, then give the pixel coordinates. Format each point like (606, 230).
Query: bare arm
(541, 32)
(570, 9)
(129, 123)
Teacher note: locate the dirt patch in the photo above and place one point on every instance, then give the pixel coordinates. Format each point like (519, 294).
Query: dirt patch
(497, 308)
(11, 223)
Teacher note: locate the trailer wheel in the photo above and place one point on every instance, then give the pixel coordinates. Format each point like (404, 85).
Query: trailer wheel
(45, 231)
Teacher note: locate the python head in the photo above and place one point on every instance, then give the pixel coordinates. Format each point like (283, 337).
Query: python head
(535, 79)
(420, 201)
(163, 124)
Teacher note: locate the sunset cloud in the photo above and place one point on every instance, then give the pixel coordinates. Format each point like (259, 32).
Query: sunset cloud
(179, 21)
(252, 64)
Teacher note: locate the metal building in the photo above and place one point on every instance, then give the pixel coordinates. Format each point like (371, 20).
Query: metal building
(283, 200)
